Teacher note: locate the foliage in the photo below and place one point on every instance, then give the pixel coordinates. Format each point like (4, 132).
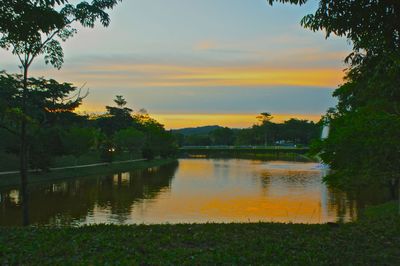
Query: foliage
(222, 136)
(290, 132)
(50, 104)
(245, 137)
(159, 142)
(363, 146)
(135, 132)
(202, 130)
(116, 118)
(265, 117)
(299, 131)
(373, 27)
(197, 140)
(45, 144)
(382, 211)
(129, 139)
(55, 130)
(370, 241)
(78, 140)
(31, 28)
(363, 143)
(107, 151)
(49, 101)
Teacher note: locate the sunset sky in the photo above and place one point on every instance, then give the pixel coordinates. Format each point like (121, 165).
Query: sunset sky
(193, 63)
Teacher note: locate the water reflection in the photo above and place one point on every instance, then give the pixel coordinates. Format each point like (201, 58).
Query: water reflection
(86, 199)
(196, 190)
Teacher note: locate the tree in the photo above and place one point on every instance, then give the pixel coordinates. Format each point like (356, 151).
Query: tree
(245, 137)
(116, 118)
(159, 142)
(197, 140)
(372, 26)
(121, 102)
(36, 27)
(299, 131)
(222, 136)
(44, 145)
(129, 139)
(50, 106)
(48, 101)
(265, 120)
(363, 153)
(364, 125)
(78, 141)
(264, 117)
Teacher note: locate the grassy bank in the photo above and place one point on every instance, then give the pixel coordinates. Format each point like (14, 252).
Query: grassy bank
(374, 240)
(11, 180)
(10, 162)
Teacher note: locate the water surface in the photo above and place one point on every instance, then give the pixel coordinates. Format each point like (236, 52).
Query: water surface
(193, 191)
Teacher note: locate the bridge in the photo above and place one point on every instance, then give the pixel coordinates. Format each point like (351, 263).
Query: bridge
(241, 150)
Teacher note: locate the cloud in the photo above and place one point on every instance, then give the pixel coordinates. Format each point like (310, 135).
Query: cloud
(217, 100)
(136, 75)
(204, 45)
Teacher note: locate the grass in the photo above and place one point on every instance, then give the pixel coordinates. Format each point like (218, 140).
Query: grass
(381, 211)
(10, 162)
(90, 158)
(373, 240)
(14, 179)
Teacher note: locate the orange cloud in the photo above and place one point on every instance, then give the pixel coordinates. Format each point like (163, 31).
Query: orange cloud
(165, 75)
(205, 45)
(259, 77)
(181, 76)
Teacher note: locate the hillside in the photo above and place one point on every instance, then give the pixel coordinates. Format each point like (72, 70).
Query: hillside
(195, 130)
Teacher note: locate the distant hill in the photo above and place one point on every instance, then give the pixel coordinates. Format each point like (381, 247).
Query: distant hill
(196, 130)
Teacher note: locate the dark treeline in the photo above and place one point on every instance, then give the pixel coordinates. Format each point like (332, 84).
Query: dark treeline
(30, 29)
(289, 133)
(55, 130)
(363, 146)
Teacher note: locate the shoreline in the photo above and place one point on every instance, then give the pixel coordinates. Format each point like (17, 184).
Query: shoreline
(68, 172)
(16, 172)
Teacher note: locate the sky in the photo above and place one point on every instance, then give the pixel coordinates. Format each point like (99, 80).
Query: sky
(193, 63)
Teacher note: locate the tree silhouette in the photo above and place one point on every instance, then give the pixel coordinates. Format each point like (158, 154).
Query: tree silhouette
(120, 101)
(369, 100)
(37, 27)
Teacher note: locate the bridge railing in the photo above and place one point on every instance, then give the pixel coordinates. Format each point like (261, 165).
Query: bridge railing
(221, 147)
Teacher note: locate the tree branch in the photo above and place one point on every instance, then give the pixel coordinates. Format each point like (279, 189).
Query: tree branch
(42, 45)
(9, 129)
(49, 38)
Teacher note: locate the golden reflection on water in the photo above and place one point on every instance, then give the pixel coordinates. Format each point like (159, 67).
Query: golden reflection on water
(241, 191)
(196, 190)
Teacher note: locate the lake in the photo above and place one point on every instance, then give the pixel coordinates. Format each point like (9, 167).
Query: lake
(190, 191)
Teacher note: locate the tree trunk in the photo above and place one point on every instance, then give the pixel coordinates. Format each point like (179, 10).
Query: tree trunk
(393, 187)
(24, 154)
(398, 192)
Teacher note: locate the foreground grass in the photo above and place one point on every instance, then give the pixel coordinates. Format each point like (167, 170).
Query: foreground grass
(14, 179)
(374, 240)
